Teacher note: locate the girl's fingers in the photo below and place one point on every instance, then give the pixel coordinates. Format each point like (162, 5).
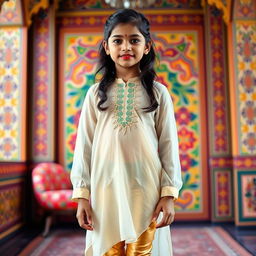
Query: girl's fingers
(88, 216)
(87, 226)
(170, 220)
(84, 224)
(163, 221)
(156, 213)
(84, 217)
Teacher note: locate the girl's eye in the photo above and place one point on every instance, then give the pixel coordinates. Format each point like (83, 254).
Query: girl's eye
(117, 41)
(135, 41)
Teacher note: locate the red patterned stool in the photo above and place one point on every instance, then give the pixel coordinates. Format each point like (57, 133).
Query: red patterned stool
(53, 190)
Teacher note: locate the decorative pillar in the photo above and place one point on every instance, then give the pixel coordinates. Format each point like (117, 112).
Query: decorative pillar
(242, 77)
(43, 102)
(220, 162)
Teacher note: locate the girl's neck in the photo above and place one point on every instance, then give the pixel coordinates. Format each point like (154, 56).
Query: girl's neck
(125, 75)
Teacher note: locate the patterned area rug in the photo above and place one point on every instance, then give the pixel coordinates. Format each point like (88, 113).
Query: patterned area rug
(203, 241)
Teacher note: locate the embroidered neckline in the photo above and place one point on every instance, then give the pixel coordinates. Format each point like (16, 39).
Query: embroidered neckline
(130, 80)
(124, 108)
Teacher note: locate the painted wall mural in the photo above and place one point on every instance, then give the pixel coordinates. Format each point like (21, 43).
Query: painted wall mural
(11, 13)
(249, 193)
(245, 9)
(12, 94)
(244, 109)
(246, 79)
(246, 197)
(178, 69)
(80, 65)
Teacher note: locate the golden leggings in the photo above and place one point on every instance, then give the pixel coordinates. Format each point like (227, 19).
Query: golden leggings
(142, 247)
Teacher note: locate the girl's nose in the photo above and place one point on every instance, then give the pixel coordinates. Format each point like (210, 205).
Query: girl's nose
(126, 46)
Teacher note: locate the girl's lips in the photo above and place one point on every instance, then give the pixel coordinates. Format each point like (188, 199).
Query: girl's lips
(126, 57)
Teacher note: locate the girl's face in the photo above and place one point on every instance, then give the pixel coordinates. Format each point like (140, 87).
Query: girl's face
(126, 47)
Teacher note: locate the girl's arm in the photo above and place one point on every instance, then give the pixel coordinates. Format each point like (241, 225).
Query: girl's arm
(168, 145)
(171, 181)
(80, 172)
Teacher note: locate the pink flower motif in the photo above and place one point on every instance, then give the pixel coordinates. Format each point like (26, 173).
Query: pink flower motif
(161, 80)
(170, 52)
(248, 81)
(72, 141)
(183, 116)
(76, 118)
(8, 87)
(186, 139)
(185, 162)
(8, 118)
(250, 141)
(8, 147)
(249, 112)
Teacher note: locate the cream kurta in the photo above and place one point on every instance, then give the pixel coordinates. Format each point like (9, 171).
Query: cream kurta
(125, 160)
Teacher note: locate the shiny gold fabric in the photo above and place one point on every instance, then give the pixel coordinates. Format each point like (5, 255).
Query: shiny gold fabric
(142, 247)
(117, 250)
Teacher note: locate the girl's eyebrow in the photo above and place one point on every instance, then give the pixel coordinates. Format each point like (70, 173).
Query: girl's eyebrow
(133, 35)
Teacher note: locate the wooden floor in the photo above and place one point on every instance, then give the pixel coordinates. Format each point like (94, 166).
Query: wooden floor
(246, 236)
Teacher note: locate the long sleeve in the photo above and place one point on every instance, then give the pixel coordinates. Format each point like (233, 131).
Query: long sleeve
(171, 181)
(81, 168)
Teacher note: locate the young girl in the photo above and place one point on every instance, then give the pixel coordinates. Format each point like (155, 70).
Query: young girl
(126, 167)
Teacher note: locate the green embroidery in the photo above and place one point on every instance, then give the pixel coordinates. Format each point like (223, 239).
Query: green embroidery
(125, 104)
(120, 102)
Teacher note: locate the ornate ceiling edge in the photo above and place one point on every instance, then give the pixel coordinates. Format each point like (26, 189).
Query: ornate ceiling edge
(224, 6)
(1, 3)
(32, 7)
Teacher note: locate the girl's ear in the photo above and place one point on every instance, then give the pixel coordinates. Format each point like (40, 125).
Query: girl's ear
(105, 45)
(147, 47)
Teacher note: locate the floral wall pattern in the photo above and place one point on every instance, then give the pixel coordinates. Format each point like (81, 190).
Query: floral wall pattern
(246, 80)
(12, 94)
(244, 109)
(80, 65)
(178, 69)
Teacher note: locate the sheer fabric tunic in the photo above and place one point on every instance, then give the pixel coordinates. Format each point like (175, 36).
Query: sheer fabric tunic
(126, 159)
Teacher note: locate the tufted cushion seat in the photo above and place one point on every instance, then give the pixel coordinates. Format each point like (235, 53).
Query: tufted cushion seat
(52, 187)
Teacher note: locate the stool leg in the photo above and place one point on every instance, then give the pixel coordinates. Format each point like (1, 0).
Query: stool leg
(47, 226)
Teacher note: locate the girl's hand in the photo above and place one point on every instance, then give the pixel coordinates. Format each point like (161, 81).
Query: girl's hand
(166, 205)
(84, 214)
